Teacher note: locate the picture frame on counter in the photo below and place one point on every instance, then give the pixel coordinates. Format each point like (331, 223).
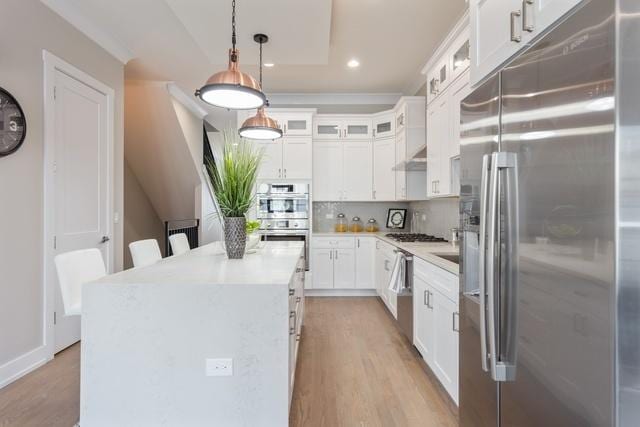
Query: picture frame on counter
(396, 218)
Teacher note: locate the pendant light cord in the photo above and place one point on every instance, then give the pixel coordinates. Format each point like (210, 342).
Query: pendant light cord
(234, 57)
(260, 64)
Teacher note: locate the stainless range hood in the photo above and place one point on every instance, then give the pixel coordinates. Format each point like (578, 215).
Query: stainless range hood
(415, 162)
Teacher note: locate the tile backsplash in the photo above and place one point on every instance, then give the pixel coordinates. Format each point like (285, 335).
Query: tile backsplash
(364, 210)
(436, 216)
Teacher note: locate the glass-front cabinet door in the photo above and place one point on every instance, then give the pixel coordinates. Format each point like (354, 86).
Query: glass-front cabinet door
(384, 125)
(327, 128)
(461, 56)
(357, 128)
(296, 124)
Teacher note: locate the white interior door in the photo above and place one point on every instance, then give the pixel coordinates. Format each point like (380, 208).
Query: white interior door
(81, 193)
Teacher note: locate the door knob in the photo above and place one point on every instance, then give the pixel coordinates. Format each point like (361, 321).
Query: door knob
(105, 239)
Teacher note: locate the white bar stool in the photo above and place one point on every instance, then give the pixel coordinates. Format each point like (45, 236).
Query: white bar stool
(145, 252)
(179, 243)
(74, 270)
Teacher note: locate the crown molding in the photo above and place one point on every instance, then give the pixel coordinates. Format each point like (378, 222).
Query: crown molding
(333, 98)
(187, 101)
(82, 23)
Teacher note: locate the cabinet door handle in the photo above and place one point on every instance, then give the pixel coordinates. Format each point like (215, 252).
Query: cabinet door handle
(279, 173)
(526, 26)
(331, 255)
(358, 241)
(514, 17)
(285, 172)
(336, 254)
(429, 300)
(453, 321)
(285, 128)
(426, 293)
(374, 194)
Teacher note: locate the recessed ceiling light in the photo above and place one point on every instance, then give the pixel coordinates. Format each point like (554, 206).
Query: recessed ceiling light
(354, 63)
(269, 64)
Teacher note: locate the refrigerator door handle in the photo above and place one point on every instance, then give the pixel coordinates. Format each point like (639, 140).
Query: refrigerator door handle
(484, 193)
(500, 370)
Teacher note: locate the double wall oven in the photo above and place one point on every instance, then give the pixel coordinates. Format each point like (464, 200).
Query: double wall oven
(283, 209)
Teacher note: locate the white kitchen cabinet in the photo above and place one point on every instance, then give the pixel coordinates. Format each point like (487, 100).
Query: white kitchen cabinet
(271, 165)
(344, 275)
(423, 323)
(322, 264)
(297, 122)
(365, 262)
(327, 170)
(384, 125)
(401, 173)
(342, 170)
(437, 140)
(296, 157)
(357, 128)
(342, 127)
(459, 91)
(460, 56)
(294, 124)
(327, 128)
(500, 28)
(443, 139)
(437, 322)
(357, 175)
(285, 158)
(438, 78)
(496, 34)
(333, 262)
(446, 324)
(384, 176)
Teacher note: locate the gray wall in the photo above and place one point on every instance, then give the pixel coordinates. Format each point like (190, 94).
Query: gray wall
(364, 210)
(437, 216)
(140, 218)
(26, 28)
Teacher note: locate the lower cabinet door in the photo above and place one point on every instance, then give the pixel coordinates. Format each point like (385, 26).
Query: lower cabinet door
(344, 274)
(423, 322)
(365, 263)
(322, 265)
(445, 356)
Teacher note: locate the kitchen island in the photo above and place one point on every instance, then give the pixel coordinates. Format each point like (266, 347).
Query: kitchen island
(196, 339)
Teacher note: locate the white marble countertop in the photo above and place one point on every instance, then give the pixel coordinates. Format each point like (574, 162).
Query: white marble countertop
(423, 250)
(271, 263)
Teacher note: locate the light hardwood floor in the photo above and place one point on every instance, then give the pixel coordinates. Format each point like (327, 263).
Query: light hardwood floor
(355, 369)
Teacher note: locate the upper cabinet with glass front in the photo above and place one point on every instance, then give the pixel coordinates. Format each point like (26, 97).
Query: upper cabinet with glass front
(384, 125)
(450, 61)
(342, 127)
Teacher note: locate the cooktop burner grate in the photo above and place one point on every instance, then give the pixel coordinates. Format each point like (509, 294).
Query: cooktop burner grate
(414, 237)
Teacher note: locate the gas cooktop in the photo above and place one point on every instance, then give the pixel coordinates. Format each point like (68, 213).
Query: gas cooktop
(414, 237)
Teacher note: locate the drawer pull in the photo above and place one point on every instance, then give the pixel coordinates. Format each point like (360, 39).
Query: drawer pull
(292, 292)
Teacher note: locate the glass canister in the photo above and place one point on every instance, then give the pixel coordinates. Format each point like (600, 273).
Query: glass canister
(372, 225)
(356, 225)
(341, 223)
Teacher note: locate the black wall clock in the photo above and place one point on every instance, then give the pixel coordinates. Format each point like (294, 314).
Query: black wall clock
(13, 125)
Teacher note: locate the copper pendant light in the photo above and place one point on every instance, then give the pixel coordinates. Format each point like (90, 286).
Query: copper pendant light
(232, 88)
(260, 126)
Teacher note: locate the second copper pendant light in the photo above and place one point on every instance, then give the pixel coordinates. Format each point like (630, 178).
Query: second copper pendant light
(260, 126)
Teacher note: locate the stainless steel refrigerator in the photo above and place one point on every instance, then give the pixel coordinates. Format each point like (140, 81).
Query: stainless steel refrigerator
(550, 219)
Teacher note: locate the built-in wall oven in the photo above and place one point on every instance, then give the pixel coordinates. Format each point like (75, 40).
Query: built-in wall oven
(283, 209)
(283, 200)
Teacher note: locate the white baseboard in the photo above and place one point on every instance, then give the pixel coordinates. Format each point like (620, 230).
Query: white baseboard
(340, 293)
(22, 365)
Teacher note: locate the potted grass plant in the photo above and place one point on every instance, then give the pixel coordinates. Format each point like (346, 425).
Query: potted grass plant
(233, 178)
